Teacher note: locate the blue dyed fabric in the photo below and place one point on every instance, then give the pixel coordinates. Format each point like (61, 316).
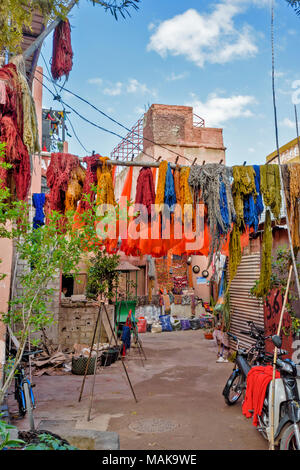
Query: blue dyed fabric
(170, 195)
(224, 208)
(38, 201)
(254, 208)
(126, 337)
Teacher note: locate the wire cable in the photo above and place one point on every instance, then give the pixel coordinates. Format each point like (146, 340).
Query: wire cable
(114, 120)
(58, 98)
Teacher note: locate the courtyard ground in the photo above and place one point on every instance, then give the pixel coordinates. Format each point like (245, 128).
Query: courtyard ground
(179, 391)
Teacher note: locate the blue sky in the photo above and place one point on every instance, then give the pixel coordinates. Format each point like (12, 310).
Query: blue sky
(212, 55)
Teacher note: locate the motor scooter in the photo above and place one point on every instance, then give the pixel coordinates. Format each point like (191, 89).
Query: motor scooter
(286, 396)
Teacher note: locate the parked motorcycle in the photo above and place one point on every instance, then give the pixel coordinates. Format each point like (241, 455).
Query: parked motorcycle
(287, 392)
(286, 405)
(244, 360)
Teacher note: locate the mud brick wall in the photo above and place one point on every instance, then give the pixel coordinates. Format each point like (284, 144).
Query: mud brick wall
(76, 322)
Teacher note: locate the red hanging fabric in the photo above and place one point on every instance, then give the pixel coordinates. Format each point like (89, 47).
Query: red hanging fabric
(62, 54)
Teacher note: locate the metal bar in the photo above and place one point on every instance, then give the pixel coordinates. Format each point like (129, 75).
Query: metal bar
(36, 44)
(95, 366)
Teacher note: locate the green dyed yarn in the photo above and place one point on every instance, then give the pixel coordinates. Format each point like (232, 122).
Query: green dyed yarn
(263, 286)
(270, 188)
(243, 185)
(235, 253)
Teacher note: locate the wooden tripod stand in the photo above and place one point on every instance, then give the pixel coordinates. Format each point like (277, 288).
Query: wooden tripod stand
(98, 323)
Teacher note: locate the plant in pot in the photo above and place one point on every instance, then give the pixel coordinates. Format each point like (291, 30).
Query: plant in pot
(208, 332)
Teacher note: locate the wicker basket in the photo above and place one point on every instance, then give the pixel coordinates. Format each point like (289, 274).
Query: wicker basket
(79, 365)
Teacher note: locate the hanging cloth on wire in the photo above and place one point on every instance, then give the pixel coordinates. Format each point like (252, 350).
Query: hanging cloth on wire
(38, 201)
(145, 191)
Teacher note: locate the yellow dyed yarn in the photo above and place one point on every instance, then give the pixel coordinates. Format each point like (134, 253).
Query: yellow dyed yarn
(235, 253)
(186, 197)
(105, 188)
(161, 183)
(74, 191)
(263, 286)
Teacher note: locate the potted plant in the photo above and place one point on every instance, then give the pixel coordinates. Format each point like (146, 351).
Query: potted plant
(208, 332)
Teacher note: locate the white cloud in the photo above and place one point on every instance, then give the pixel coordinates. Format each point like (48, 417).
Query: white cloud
(206, 37)
(286, 122)
(217, 109)
(95, 81)
(134, 86)
(114, 90)
(174, 77)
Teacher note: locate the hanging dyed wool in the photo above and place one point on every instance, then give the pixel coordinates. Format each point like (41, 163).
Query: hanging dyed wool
(186, 197)
(170, 195)
(271, 188)
(243, 186)
(30, 125)
(145, 191)
(253, 206)
(160, 191)
(62, 54)
(75, 187)
(177, 184)
(105, 188)
(208, 180)
(13, 102)
(90, 180)
(291, 178)
(235, 253)
(58, 176)
(38, 201)
(263, 286)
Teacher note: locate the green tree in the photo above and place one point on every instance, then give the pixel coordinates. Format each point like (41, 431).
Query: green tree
(15, 15)
(46, 251)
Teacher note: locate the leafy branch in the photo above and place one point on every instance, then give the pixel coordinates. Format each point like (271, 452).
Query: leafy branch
(295, 4)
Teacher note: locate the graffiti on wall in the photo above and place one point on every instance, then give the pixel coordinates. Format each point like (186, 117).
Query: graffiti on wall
(272, 312)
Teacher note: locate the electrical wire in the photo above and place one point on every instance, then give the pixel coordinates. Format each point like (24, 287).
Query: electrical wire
(63, 109)
(114, 120)
(58, 98)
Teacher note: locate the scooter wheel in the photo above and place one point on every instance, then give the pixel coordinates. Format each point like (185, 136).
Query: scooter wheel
(288, 440)
(233, 389)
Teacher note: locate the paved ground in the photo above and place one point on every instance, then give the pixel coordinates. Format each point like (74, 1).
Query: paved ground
(180, 387)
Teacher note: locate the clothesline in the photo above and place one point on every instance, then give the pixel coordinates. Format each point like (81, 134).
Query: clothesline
(142, 164)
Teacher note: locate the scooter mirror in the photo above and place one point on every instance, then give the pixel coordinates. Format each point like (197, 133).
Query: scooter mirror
(277, 341)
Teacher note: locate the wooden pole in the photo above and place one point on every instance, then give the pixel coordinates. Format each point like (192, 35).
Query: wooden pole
(95, 366)
(89, 358)
(272, 430)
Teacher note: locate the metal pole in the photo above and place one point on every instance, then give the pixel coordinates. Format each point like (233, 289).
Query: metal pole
(37, 43)
(297, 130)
(279, 160)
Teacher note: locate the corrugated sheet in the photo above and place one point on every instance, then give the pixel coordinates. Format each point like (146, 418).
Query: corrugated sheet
(244, 306)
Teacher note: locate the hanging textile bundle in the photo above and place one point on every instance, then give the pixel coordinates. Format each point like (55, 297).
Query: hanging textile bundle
(145, 191)
(13, 101)
(291, 178)
(17, 155)
(263, 286)
(186, 197)
(243, 187)
(177, 184)
(161, 184)
(38, 201)
(213, 181)
(90, 180)
(170, 195)
(30, 125)
(74, 190)
(105, 189)
(62, 54)
(58, 176)
(271, 188)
